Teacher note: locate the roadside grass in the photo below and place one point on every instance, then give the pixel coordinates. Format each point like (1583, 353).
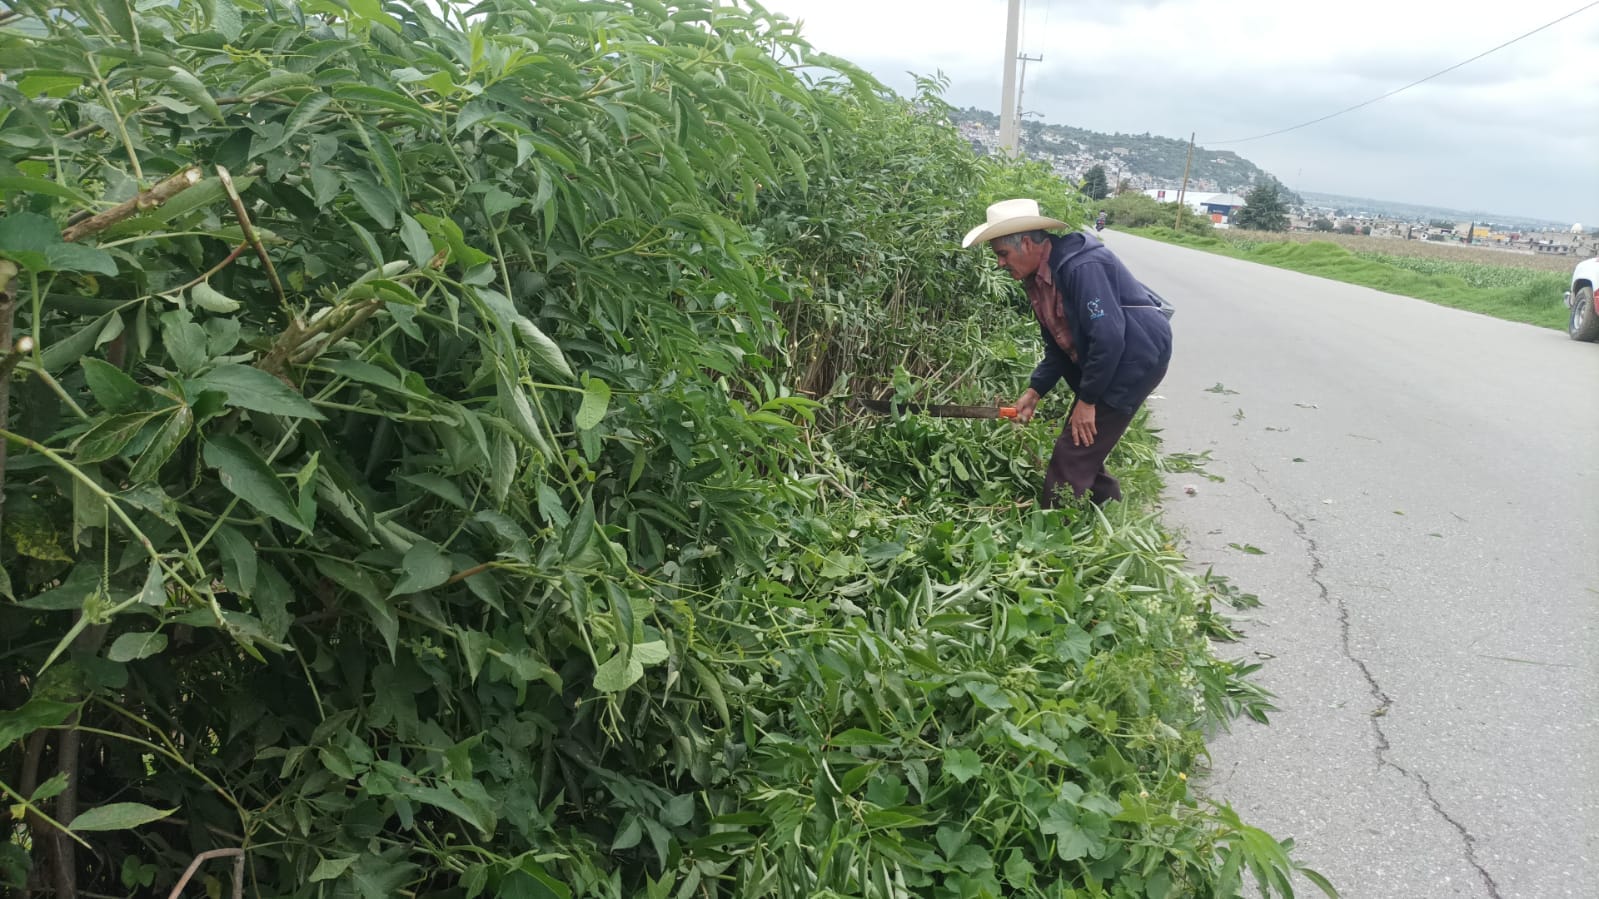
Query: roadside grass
(1509, 292)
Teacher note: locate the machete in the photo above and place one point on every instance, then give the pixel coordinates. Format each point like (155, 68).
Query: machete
(890, 407)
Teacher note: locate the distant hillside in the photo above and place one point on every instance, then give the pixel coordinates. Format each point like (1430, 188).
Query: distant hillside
(1159, 159)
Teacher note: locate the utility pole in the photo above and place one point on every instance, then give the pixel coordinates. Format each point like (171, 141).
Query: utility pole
(1021, 91)
(1177, 226)
(1007, 99)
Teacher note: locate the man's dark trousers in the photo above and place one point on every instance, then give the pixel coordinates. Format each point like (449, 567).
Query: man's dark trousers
(1083, 467)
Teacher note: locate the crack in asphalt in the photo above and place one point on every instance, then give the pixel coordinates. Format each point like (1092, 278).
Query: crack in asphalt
(1384, 701)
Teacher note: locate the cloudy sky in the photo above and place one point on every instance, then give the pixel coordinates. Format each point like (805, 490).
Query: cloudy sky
(1515, 133)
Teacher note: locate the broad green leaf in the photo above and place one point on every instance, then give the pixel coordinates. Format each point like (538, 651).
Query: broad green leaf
(239, 562)
(371, 12)
(34, 714)
(376, 199)
(545, 353)
(425, 567)
(212, 300)
(166, 442)
(184, 340)
(225, 19)
(416, 240)
(652, 653)
(11, 183)
(254, 389)
(856, 736)
(49, 85)
(311, 105)
(154, 591)
(111, 436)
(51, 788)
(246, 475)
(59, 355)
(185, 83)
(130, 647)
(117, 816)
(516, 408)
(34, 242)
(962, 764)
(617, 674)
(596, 399)
(989, 695)
(112, 388)
(331, 868)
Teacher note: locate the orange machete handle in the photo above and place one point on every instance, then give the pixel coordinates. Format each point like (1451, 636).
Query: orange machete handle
(1007, 411)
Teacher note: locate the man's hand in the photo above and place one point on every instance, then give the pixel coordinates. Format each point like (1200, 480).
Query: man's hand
(1082, 422)
(1025, 404)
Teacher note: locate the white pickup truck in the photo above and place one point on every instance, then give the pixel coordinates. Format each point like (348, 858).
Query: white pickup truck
(1584, 321)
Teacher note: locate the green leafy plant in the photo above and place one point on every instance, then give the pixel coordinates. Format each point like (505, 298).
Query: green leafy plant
(423, 480)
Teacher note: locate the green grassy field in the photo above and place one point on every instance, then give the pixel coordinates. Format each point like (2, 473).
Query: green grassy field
(1509, 292)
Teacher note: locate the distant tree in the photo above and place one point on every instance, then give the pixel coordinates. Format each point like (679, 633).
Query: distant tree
(1321, 224)
(1263, 209)
(1094, 184)
(1365, 230)
(1347, 228)
(1123, 186)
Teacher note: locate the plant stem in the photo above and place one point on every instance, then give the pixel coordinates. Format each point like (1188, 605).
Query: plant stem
(213, 269)
(202, 858)
(122, 128)
(8, 308)
(148, 199)
(61, 392)
(252, 237)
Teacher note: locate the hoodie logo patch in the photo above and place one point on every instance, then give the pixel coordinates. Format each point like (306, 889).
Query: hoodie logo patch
(1095, 310)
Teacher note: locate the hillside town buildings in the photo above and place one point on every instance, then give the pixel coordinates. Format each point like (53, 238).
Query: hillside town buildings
(1220, 203)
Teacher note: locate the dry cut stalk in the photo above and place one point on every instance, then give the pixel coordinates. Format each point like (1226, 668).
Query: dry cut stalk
(202, 858)
(149, 199)
(250, 235)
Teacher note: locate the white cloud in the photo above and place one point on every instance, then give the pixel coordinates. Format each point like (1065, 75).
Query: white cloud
(1513, 133)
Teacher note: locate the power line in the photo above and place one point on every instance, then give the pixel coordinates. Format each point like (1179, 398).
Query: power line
(1412, 84)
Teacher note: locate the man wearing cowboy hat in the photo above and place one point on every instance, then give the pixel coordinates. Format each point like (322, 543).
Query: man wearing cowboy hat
(1103, 332)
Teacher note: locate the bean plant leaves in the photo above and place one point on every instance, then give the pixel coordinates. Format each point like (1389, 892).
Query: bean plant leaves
(424, 568)
(691, 631)
(34, 242)
(113, 389)
(163, 445)
(210, 299)
(596, 398)
(254, 389)
(246, 475)
(130, 647)
(34, 714)
(117, 816)
(544, 350)
(618, 673)
(154, 591)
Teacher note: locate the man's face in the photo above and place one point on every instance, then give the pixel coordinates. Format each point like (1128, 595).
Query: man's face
(1018, 261)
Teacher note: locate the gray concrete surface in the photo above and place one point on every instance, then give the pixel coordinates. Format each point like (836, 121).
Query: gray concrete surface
(1425, 485)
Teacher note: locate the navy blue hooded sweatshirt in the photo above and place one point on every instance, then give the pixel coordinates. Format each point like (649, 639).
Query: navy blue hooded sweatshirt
(1122, 339)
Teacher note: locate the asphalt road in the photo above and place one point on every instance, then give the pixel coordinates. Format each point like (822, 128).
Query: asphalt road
(1424, 484)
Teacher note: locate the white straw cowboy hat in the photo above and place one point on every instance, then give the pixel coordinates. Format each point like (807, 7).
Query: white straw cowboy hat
(1011, 217)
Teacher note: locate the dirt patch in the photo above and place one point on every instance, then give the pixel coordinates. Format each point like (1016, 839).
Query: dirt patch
(1425, 249)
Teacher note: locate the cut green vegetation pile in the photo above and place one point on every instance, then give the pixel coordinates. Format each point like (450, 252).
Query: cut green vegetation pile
(1503, 291)
(456, 501)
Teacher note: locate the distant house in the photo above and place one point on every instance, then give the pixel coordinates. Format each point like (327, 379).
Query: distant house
(1219, 207)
